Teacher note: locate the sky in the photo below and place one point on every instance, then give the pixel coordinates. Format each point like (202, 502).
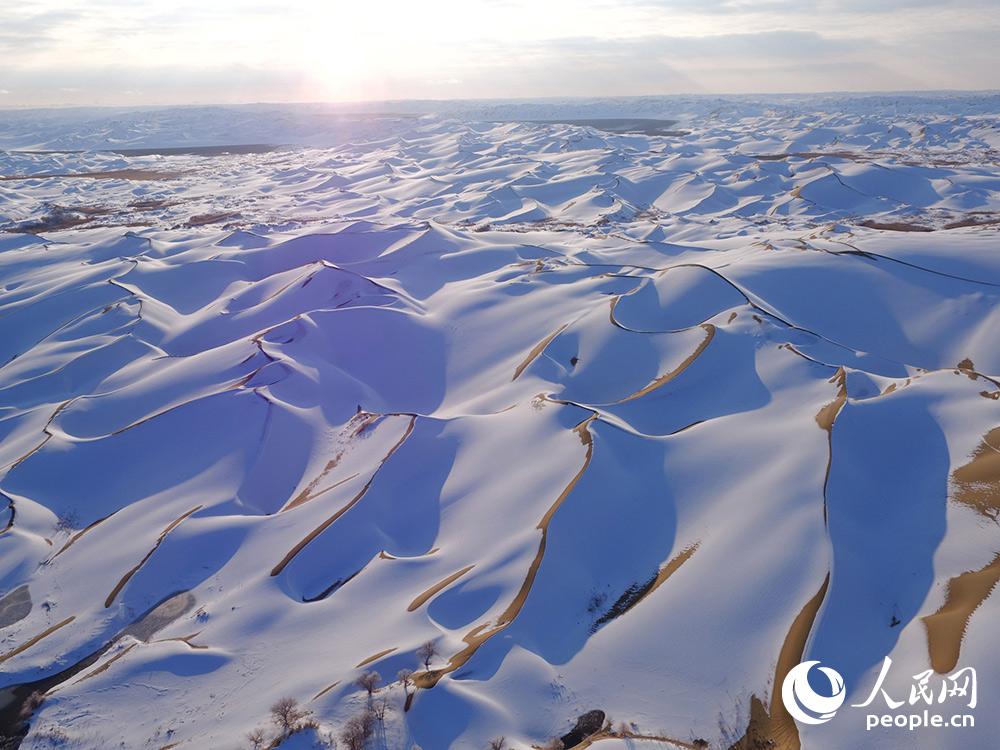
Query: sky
(129, 52)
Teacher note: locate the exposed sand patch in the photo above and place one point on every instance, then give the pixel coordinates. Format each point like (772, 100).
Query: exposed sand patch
(977, 483)
(896, 226)
(215, 217)
(62, 217)
(826, 416)
(774, 728)
(971, 222)
(946, 627)
(152, 204)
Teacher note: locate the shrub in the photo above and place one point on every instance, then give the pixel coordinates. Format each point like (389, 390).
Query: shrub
(67, 522)
(358, 730)
(287, 715)
(31, 704)
(256, 739)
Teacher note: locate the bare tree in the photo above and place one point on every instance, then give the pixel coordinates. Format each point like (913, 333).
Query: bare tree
(287, 715)
(257, 739)
(358, 729)
(426, 653)
(369, 683)
(406, 680)
(498, 743)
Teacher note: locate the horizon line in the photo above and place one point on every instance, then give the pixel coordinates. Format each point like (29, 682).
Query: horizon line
(506, 99)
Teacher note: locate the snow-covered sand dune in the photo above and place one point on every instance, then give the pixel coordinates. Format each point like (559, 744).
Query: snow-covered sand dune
(620, 422)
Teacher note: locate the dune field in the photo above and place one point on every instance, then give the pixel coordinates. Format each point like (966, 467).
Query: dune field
(629, 422)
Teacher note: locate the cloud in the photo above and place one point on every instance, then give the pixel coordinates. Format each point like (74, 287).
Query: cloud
(227, 50)
(29, 32)
(775, 61)
(778, 44)
(154, 85)
(803, 7)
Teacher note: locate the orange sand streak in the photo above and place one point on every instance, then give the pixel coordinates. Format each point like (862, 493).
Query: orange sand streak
(667, 377)
(80, 533)
(776, 729)
(419, 601)
(32, 641)
(109, 662)
(482, 633)
(537, 350)
(375, 657)
(353, 501)
(163, 535)
(325, 690)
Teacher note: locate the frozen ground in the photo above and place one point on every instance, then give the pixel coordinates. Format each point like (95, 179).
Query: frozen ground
(622, 422)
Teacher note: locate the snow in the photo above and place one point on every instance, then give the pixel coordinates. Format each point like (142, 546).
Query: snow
(597, 413)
